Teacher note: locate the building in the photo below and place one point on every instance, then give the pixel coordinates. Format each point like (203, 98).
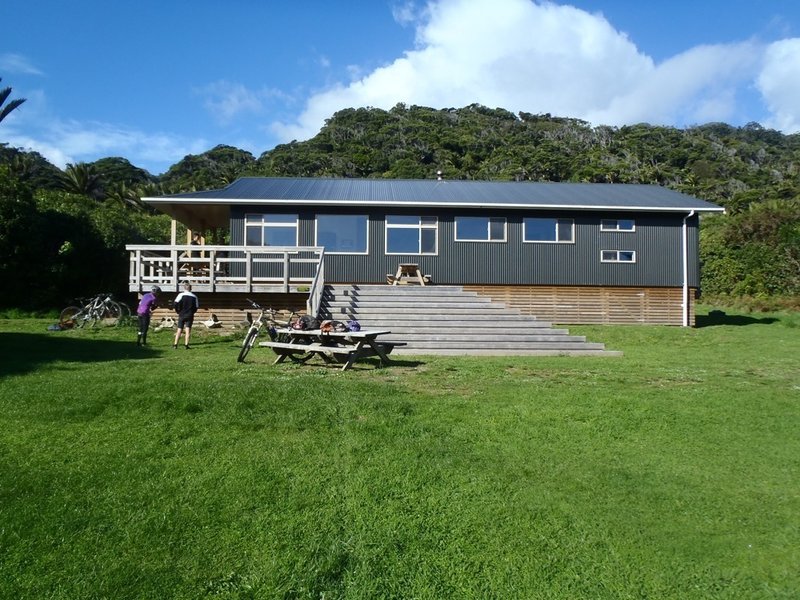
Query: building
(567, 252)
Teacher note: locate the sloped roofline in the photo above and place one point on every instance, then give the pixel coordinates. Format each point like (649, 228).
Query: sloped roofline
(280, 191)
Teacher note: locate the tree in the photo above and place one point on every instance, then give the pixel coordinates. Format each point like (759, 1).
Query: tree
(8, 108)
(83, 179)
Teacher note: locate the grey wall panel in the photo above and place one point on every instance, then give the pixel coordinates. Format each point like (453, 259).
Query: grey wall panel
(657, 242)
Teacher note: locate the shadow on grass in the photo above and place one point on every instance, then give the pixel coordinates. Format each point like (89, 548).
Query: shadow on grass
(25, 352)
(720, 318)
(364, 364)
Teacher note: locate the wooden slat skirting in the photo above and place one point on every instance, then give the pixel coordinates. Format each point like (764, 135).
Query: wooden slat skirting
(593, 305)
(231, 309)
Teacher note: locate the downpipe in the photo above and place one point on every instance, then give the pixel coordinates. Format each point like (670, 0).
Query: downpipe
(685, 235)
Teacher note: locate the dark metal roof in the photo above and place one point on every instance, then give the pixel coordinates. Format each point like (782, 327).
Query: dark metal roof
(446, 193)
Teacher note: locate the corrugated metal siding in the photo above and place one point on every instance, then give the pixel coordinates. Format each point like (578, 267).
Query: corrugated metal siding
(656, 241)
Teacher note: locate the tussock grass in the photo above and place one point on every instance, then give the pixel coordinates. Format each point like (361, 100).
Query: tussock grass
(671, 472)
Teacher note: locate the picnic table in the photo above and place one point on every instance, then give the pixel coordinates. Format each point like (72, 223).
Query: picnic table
(407, 273)
(346, 347)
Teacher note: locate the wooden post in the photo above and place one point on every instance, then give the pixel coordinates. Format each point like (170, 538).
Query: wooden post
(285, 271)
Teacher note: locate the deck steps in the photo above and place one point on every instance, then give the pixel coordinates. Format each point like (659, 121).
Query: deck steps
(447, 320)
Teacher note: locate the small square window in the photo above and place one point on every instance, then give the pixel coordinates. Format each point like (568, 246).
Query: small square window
(618, 256)
(625, 225)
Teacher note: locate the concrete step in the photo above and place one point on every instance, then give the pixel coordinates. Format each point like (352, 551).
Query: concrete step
(468, 328)
(435, 320)
(482, 337)
(366, 290)
(406, 351)
(460, 345)
(452, 321)
(418, 306)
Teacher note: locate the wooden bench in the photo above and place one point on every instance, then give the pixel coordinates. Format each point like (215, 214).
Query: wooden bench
(391, 279)
(344, 353)
(286, 347)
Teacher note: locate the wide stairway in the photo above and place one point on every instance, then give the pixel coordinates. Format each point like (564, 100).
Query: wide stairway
(447, 320)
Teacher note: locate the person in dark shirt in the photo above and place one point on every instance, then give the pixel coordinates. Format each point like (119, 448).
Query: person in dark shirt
(147, 305)
(186, 304)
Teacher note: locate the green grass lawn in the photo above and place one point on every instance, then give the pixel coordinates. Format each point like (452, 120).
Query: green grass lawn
(672, 472)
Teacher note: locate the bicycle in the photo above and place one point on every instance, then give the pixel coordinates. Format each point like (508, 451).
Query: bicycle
(266, 316)
(100, 308)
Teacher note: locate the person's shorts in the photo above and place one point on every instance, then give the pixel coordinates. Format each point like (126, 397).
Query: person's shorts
(185, 321)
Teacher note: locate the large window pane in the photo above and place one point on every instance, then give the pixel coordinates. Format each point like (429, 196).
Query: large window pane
(280, 236)
(402, 241)
(472, 228)
(342, 233)
(540, 230)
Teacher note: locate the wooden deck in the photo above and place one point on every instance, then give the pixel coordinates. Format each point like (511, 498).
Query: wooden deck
(229, 269)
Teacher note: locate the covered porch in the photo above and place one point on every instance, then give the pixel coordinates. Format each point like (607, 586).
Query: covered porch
(230, 269)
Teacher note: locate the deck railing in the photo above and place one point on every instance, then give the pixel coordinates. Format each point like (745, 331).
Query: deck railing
(247, 269)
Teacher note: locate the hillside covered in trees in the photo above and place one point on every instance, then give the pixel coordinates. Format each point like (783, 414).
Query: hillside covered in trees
(753, 250)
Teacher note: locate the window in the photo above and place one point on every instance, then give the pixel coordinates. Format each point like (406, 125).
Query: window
(342, 233)
(409, 234)
(617, 225)
(270, 230)
(480, 229)
(618, 256)
(548, 230)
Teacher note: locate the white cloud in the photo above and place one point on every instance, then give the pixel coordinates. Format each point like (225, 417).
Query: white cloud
(16, 63)
(227, 100)
(543, 57)
(63, 142)
(35, 127)
(404, 13)
(779, 83)
(696, 86)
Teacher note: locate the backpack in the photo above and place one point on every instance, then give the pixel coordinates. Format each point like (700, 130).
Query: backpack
(332, 326)
(305, 322)
(353, 325)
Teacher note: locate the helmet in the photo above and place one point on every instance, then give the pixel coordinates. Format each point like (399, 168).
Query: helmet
(155, 289)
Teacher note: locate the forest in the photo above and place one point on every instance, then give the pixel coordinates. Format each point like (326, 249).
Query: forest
(63, 232)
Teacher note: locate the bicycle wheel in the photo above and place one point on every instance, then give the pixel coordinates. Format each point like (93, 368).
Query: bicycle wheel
(124, 312)
(248, 342)
(109, 314)
(71, 317)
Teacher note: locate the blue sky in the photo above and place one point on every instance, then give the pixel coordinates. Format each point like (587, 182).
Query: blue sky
(154, 80)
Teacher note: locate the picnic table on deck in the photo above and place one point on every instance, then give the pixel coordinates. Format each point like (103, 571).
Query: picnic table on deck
(349, 346)
(407, 273)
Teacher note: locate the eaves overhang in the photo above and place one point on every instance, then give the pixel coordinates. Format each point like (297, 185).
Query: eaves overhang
(162, 201)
